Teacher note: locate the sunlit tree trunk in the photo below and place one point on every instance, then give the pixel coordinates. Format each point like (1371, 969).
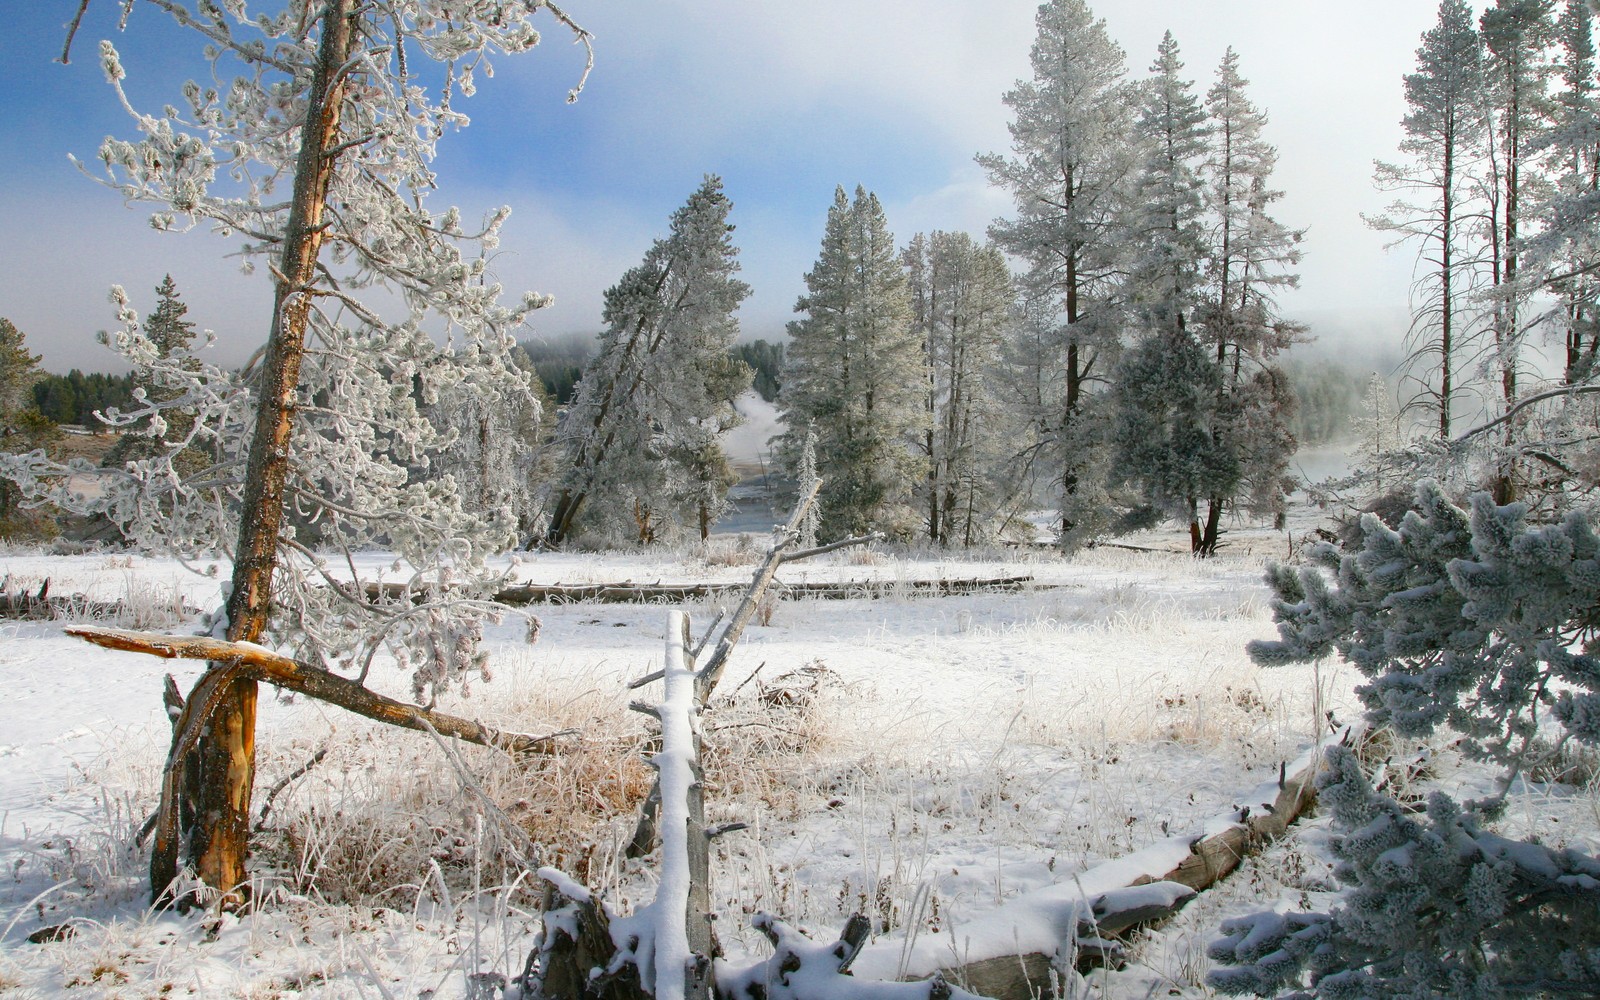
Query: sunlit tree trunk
(219, 837)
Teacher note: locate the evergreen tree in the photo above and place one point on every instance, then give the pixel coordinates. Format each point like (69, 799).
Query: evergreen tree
(1170, 237)
(1436, 906)
(1249, 259)
(1568, 246)
(317, 151)
(961, 310)
(1376, 429)
(855, 375)
(643, 432)
(1484, 623)
(1437, 207)
(1516, 35)
(22, 427)
(1167, 434)
(1170, 399)
(497, 453)
(1069, 175)
(161, 389)
(766, 361)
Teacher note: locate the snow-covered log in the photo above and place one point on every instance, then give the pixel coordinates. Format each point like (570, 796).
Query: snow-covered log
(665, 949)
(802, 970)
(1013, 950)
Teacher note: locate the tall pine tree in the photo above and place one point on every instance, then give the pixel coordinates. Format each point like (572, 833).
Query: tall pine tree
(1069, 174)
(1516, 36)
(1249, 258)
(1168, 391)
(854, 375)
(962, 311)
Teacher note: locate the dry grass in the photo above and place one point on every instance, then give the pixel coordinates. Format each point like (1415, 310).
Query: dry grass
(385, 812)
(732, 550)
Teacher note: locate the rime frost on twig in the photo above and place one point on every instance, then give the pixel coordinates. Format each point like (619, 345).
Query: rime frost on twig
(396, 443)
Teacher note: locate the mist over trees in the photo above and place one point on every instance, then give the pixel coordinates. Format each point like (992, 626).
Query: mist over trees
(1113, 352)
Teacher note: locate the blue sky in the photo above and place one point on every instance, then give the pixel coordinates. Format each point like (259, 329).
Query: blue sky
(783, 100)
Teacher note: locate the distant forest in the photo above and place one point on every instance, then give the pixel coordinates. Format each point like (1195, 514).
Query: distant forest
(74, 397)
(1328, 391)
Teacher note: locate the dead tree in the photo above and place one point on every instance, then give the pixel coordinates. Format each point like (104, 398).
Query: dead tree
(667, 950)
(707, 676)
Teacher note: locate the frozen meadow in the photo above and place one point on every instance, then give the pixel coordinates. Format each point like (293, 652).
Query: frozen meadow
(920, 760)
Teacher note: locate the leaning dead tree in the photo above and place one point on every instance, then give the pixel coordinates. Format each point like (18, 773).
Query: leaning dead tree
(317, 154)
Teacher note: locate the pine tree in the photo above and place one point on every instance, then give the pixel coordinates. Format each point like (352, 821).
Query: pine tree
(22, 427)
(1376, 429)
(1567, 246)
(1167, 434)
(1069, 175)
(1482, 622)
(1445, 135)
(1170, 400)
(855, 375)
(496, 454)
(161, 387)
(643, 431)
(962, 311)
(1170, 239)
(1249, 259)
(317, 152)
(1516, 35)
(1436, 906)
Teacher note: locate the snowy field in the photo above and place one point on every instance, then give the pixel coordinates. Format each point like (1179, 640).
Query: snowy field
(916, 759)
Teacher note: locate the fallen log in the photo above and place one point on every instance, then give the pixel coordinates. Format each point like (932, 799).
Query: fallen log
(262, 664)
(1011, 952)
(676, 593)
(42, 605)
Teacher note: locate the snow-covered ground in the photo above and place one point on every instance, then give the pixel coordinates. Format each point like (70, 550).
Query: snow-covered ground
(920, 760)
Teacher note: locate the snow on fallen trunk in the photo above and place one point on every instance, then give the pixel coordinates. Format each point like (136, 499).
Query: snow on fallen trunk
(664, 922)
(1011, 950)
(663, 949)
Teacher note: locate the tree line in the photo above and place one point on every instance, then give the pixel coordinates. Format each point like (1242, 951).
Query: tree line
(1129, 370)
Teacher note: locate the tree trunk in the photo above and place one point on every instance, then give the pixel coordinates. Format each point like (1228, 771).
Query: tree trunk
(218, 841)
(1208, 539)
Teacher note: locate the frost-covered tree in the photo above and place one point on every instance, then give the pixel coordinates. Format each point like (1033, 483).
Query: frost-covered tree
(1375, 429)
(22, 427)
(1072, 162)
(499, 456)
(1567, 247)
(1516, 37)
(1170, 400)
(1435, 906)
(1170, 244)
(1486, 624)
(1250, 257)
(961, 304)
(1168, 432)
(316, 151)
(1436, 205)
(1476, 620)
(807, 483)
(171, 337)
(642, 433)
(854, 375)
